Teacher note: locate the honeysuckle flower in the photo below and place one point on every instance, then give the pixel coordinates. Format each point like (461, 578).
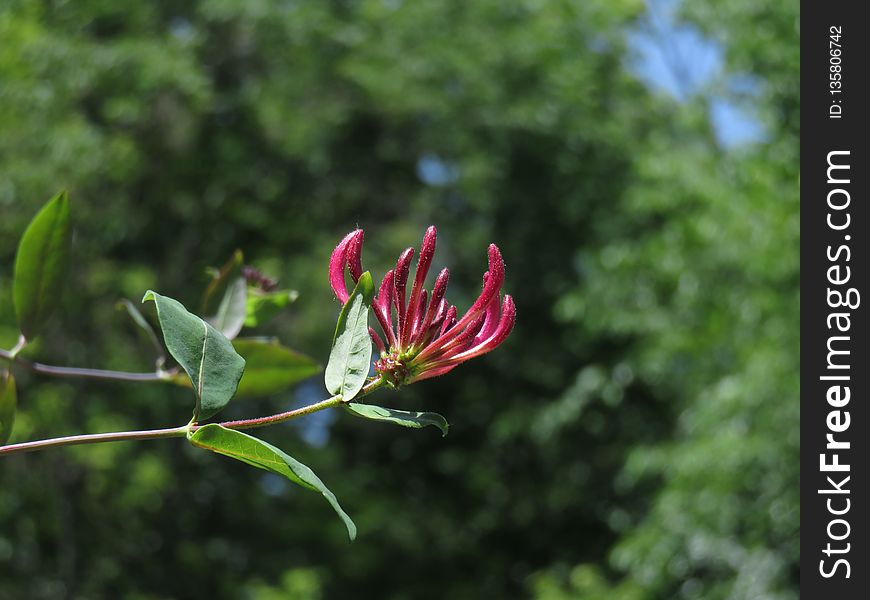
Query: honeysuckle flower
(423, 336)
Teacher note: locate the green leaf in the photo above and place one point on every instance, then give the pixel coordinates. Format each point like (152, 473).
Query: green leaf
(263, 455)
(41, 265)
(230, 317)
(203, 352)
(405, 418)
(217, 287)
(8, 401)
(351, 355)
(262, 306)
(271, 368)
(144, 327)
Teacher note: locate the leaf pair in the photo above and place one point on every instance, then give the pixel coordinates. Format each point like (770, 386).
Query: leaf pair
(219, 369)
(215, 370)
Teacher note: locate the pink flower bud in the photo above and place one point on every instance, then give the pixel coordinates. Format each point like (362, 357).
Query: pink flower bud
(449, 319)
(400, 280)
(382, 309)
(427, 251)
(377, 340)
(433, 329)
(435, 304)
(354, 255)
(491, 287)
(492, 319)
(420, 311)
(505, 325)
(337, 262)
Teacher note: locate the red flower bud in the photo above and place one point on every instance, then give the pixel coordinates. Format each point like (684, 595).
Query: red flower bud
(354, 256)
(377, 340)
(436, 304)
(427, 251)
(382, 308)
(400, 280)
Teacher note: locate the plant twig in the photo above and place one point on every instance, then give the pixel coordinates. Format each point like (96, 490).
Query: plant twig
(55, 371)
(153, 434)
(297, 412)
(278, 418)
(94, 438)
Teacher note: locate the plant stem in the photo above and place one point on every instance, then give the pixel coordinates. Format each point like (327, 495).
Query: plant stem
(54, 371)
(94, 438)
(278, 418)
(295, 413)
(153, 434)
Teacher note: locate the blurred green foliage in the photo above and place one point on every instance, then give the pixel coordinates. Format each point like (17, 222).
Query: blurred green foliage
(635, 438)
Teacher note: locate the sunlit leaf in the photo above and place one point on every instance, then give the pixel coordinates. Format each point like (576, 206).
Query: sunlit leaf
(41, 265)
(263, 306)
(351, 355)
(203, 352)
(263, 455)
(416, 420)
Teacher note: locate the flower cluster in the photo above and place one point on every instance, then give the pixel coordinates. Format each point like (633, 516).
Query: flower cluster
(425, 338)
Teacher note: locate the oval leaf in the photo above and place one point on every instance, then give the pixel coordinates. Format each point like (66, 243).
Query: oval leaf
(230, 317)
(203, 352)
(351, 355)
(405, 418)
(41, 264)
(263, 455)
(8, 401)
(271, 368)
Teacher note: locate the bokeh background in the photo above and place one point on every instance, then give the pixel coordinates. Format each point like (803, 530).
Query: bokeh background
(637, 436)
